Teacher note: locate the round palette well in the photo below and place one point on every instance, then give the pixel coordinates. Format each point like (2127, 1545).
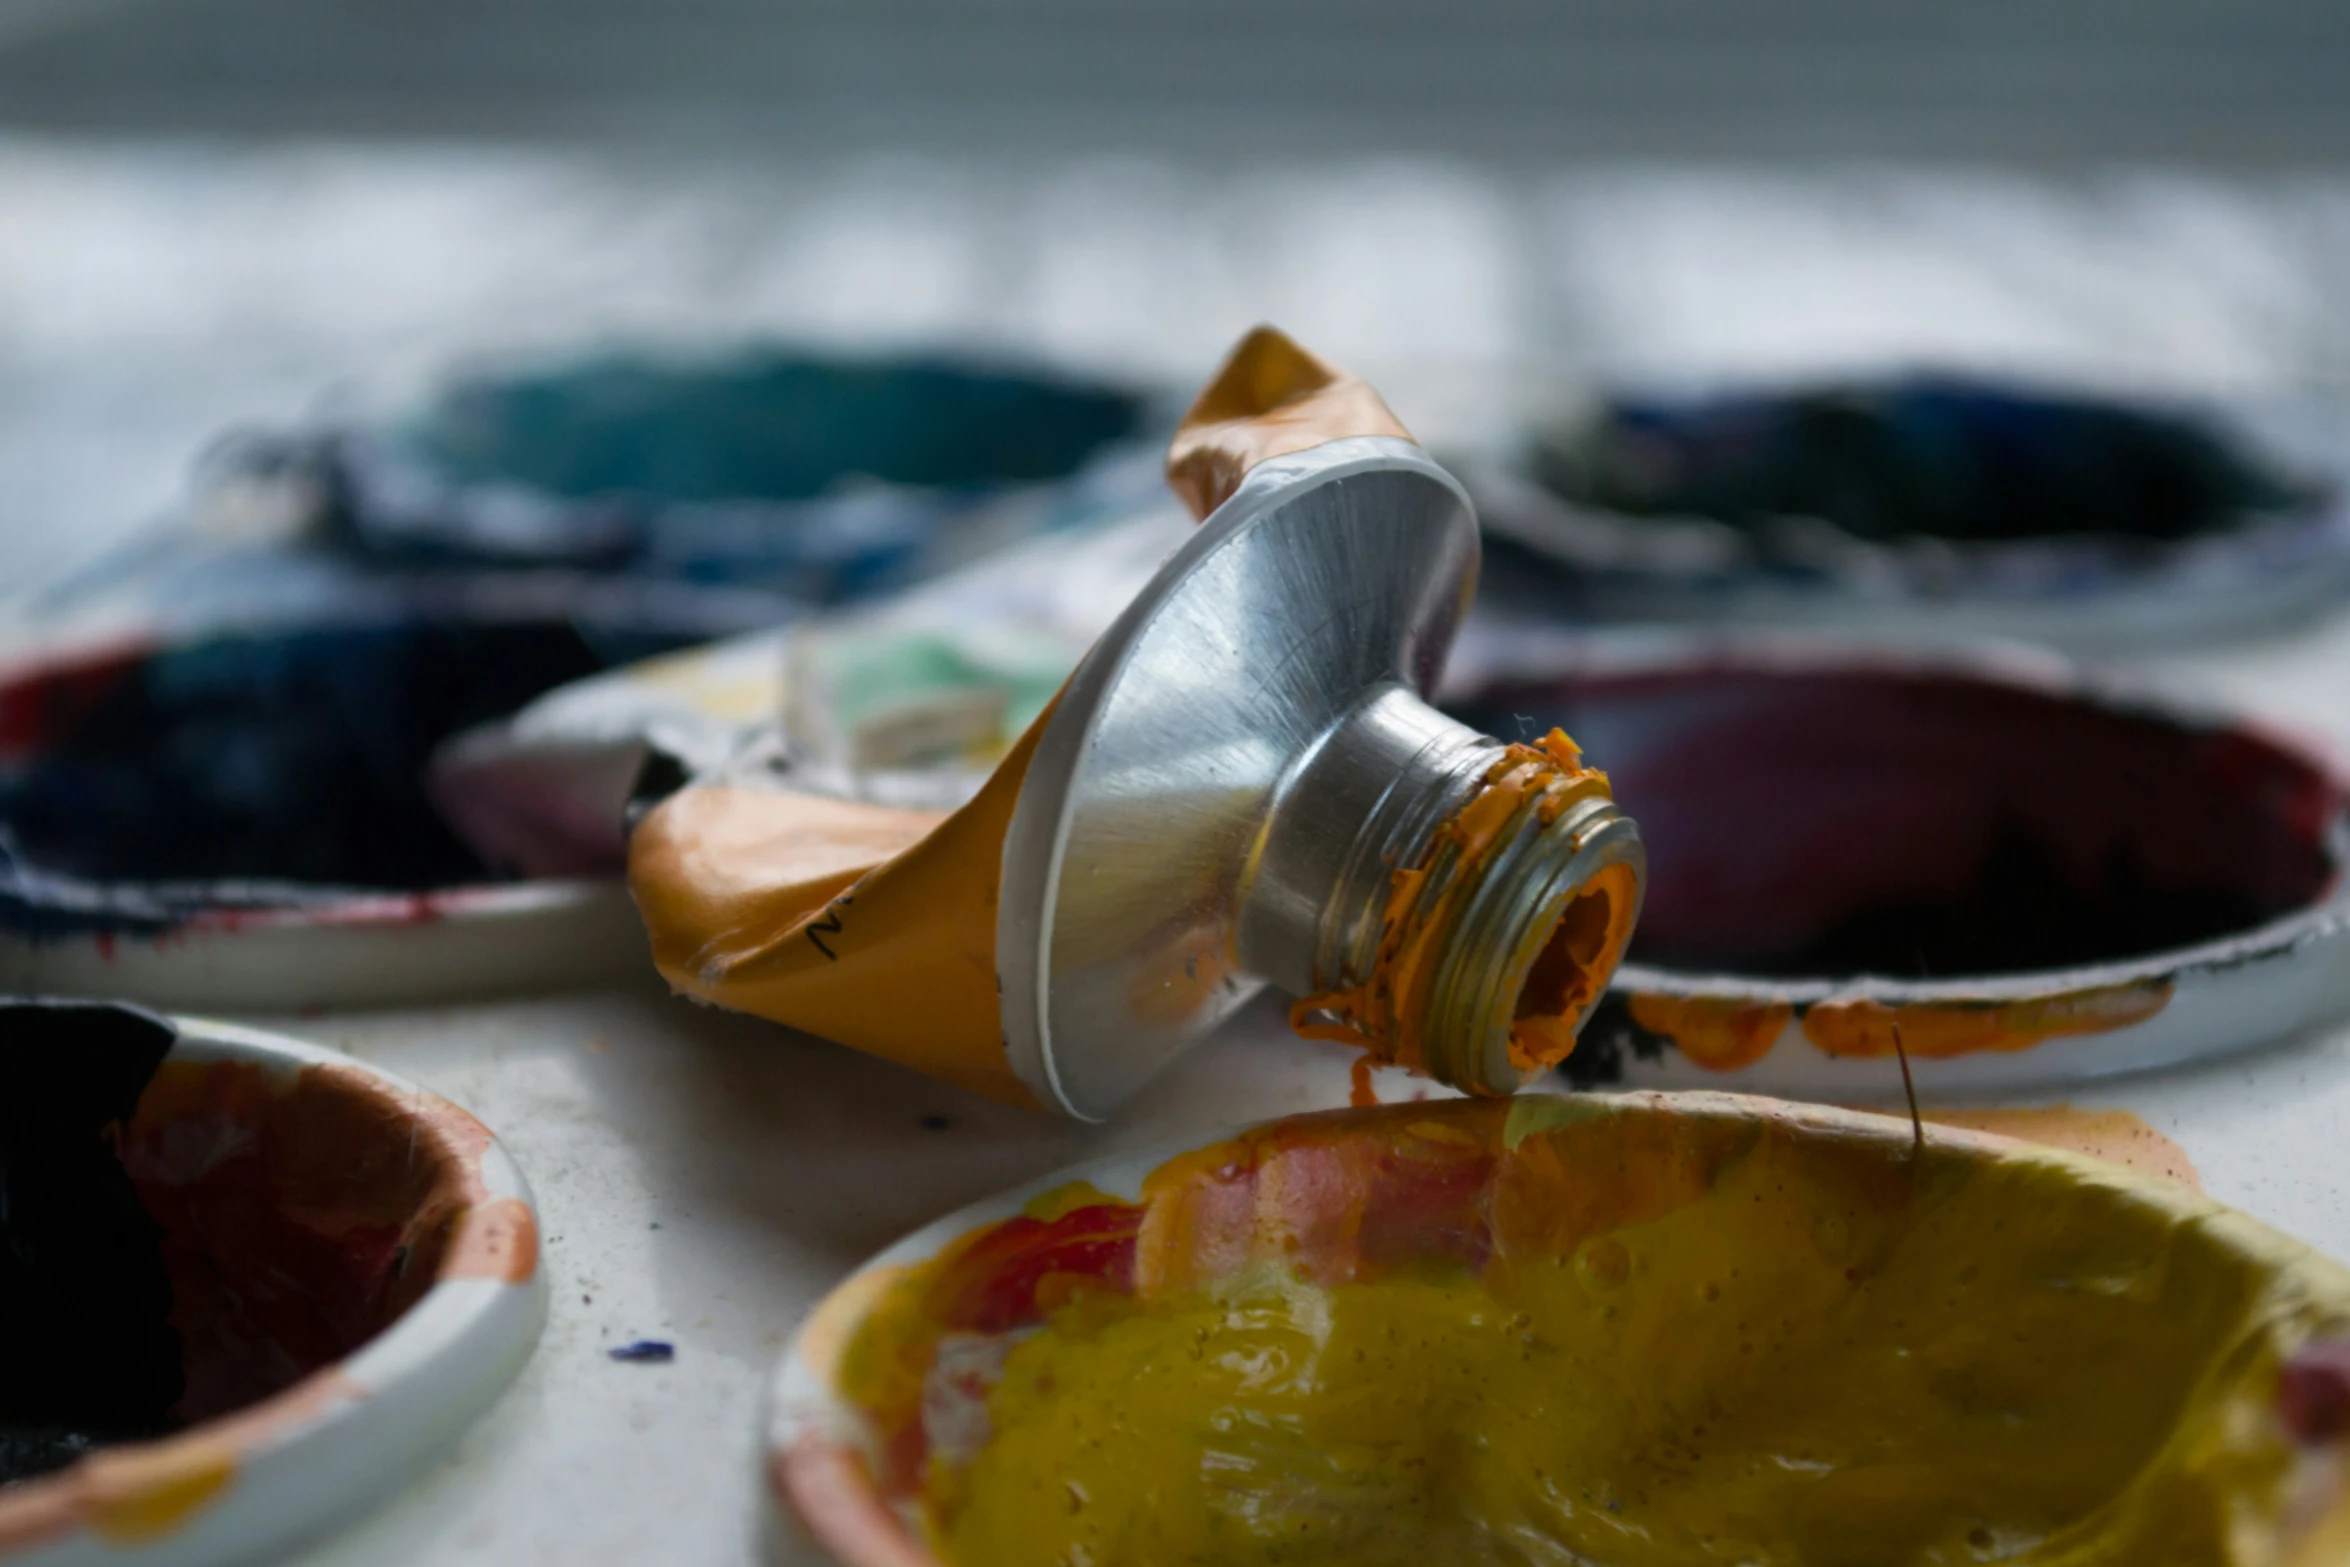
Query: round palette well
(353, 1269)
(2032, 875)
(242, 819)
(814, 478)
(1639, 1328)
(1970, 503)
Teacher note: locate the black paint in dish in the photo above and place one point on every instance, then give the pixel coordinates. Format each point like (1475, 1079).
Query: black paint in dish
(269, 769)
(88, 1354)
(1937, 456)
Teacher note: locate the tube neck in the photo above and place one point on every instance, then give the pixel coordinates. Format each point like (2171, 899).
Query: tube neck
(1439, 898)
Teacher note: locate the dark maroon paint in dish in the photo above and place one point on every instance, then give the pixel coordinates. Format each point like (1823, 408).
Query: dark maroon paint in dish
(1825, 820)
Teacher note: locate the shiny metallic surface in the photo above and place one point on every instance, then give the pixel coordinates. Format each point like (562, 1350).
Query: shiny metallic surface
(1365, 801)
(1314, 905)
(1247, 740)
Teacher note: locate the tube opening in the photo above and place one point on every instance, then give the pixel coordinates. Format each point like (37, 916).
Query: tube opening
(1572, 968)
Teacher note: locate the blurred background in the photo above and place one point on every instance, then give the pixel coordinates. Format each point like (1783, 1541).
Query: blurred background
(222, 213)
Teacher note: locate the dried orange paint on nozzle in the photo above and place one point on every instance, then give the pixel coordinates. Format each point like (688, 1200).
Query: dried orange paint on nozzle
(1386, 1013)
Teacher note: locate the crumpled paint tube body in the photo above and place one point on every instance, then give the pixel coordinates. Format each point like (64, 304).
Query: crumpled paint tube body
(872, 926)
(876, 927)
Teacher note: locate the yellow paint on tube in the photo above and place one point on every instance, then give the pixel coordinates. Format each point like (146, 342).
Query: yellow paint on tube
(871, 926)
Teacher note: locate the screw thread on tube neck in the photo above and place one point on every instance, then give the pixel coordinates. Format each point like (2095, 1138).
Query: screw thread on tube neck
(1442, 899)
(1532, 935)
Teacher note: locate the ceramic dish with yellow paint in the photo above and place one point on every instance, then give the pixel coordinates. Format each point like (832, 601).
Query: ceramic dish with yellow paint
(352, 1275)
(2034, 872)
(1668, 1329)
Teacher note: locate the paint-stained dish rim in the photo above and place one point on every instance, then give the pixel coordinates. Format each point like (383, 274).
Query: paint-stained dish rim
(819, 1480)
(339, 948)
(255, 1481)
(461, 943)
(2085, 591)
(2211, 998)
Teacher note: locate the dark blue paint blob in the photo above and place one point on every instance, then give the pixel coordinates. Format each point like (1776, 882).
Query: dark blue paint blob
(87, 1351)
(645, 1351)
(264, 770)
(1926, 456)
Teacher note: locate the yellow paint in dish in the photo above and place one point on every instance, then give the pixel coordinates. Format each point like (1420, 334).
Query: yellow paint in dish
(1633, 1332)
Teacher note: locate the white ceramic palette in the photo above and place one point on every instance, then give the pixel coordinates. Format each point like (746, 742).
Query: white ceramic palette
(382, 1161)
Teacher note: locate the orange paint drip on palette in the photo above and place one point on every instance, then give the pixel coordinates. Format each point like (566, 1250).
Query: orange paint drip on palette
(1719, 1034)
(1729, 1033)
(1935, 1031)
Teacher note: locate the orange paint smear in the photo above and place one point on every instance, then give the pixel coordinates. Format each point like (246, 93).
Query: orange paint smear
(993, 1280)
(141, 1492)
(1360, 1093)
(1321, 1195)
(1718, 1033)
(1939, 1030)
(498, 1240)
(149, 1491)
(1384, 1014)
(2116, 1136)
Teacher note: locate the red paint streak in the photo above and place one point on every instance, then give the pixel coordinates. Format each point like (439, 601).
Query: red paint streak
(395, 908)
(1336, 1196)
(41, 704)
(998, 1283)
(2313, 1393)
